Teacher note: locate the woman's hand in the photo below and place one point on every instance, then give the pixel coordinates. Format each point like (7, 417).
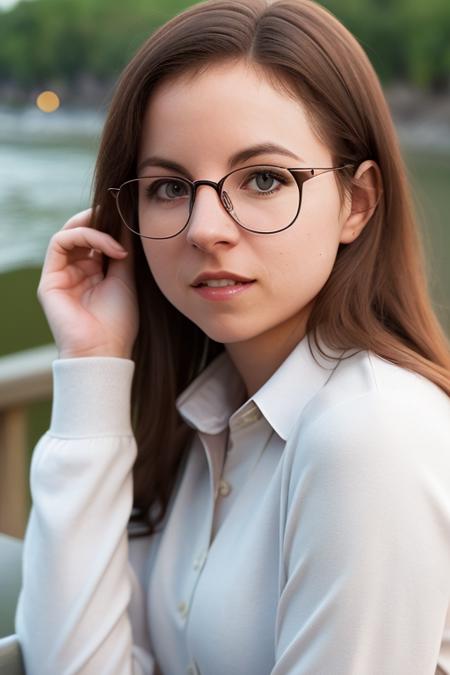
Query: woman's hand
(89, 314)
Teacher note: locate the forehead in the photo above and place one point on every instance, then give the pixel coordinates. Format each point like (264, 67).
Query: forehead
(225, 106)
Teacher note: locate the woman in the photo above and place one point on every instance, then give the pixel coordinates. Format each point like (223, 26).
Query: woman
(255, 375)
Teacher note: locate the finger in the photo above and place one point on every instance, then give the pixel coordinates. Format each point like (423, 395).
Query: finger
(84, 219)
(65, 242)
(81, 219)
(124, 268)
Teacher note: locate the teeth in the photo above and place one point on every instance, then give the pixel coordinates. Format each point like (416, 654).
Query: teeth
(220, 282)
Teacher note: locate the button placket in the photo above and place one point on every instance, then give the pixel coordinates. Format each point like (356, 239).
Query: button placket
(200, 560)
(252, 415)
(193, 669)
(183, 609)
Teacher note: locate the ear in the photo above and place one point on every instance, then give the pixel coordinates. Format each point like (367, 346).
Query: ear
(365, 194)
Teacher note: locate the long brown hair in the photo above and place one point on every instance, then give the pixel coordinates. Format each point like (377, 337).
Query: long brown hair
(376, 297)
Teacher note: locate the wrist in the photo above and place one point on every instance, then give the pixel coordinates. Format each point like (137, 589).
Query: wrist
(106, 352)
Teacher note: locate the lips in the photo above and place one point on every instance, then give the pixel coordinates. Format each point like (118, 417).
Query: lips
(223, 293)
(219, 275)
(221, 283)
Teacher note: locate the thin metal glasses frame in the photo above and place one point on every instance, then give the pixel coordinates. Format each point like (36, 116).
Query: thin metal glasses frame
(223, 199)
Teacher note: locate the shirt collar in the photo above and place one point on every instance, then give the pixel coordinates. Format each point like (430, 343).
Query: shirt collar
(217, 396)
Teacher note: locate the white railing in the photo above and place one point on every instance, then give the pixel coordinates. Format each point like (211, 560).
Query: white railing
(25, 377)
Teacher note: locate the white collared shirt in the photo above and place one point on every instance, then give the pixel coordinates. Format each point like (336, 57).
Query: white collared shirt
(308, 533)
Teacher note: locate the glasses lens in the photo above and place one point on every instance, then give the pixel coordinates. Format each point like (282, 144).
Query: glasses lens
(262, 198)
(155, 206)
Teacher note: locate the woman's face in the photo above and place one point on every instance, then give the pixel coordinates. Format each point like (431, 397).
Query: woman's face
(200, 124)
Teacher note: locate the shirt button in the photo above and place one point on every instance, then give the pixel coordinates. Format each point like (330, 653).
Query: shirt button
(192, 669)
(224, 488)
(183, 609)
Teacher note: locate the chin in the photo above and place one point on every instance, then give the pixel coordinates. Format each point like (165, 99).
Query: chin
(226, 327)
(219, 332)
(224, 336)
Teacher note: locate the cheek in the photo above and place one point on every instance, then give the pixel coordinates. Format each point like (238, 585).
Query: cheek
(297, 281)
(305, 258)
(162, 261)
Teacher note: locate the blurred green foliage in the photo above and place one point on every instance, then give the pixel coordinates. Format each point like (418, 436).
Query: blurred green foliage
(52, 39)
(42, 40)
(406, 40)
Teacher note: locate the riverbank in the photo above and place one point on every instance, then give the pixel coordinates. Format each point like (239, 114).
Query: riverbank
(422, 119)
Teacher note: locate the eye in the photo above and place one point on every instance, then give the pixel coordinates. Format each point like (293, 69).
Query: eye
(265, 182)
(167, 190)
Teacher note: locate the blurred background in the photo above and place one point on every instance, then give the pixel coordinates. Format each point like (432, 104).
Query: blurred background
(74, 50)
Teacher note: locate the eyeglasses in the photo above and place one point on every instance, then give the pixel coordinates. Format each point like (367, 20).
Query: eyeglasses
(261, 198)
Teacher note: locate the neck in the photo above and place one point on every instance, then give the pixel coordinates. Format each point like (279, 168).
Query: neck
(257, 359)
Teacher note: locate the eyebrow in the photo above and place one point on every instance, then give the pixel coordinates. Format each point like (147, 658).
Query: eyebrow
(237, 158)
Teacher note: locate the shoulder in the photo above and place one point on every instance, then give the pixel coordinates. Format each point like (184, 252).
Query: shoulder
(373, 412)
(367, 384)
(365, 487)
(365, 373)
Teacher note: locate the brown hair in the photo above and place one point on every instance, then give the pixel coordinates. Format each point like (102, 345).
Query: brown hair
(376, 297)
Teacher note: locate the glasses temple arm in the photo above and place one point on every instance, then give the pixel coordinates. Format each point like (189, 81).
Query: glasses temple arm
(114, 192)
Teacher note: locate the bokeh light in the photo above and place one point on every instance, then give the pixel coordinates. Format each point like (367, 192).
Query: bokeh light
(48, 101)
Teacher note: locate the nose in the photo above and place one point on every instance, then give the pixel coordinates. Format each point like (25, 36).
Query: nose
(210, 223)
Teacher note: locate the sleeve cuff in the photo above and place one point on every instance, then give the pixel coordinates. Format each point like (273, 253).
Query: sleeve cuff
(91, 396)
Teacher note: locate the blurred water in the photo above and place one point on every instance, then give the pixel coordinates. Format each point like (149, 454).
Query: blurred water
(46, 167)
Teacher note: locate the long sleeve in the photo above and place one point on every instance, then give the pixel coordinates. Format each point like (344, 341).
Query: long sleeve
(366, 545)
(78, 584)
